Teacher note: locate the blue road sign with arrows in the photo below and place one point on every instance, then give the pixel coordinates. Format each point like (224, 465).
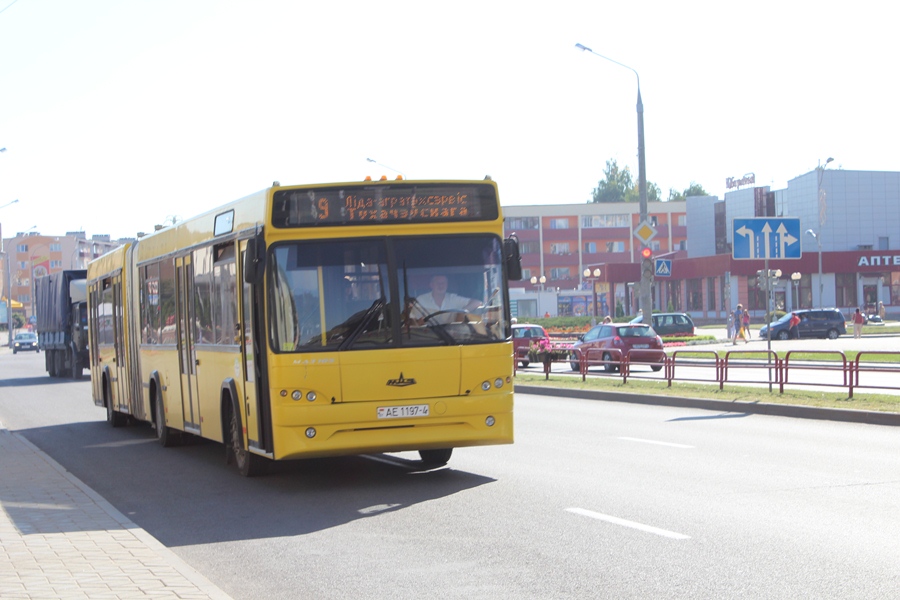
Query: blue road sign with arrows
(766, 237)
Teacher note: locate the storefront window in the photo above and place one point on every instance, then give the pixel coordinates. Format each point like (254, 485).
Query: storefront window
(694, 295)
(845, 289)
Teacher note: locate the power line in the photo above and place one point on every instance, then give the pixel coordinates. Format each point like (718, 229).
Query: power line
(8, 5)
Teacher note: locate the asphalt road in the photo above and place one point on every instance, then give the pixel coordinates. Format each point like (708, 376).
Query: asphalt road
(594, 500)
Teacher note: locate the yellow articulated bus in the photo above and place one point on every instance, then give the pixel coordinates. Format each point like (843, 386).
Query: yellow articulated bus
(315, 320)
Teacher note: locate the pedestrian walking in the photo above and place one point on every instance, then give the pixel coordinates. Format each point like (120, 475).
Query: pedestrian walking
(745, 326)
(881, 311)
(794, 329)
(736, 318)
(857, 324)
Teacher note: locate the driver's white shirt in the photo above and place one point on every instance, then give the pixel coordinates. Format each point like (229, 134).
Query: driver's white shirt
(426, 305)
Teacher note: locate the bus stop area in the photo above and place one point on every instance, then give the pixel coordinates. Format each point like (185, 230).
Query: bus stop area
(60, 539)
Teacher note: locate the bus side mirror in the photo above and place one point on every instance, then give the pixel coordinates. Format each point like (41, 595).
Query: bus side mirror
(512, 258)
(255, 260)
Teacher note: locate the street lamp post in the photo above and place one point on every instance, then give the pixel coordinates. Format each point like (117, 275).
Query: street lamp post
(534, 281)
(795, 277)
(645, 301)
(823, 205)
(593, 277)
(9, 320)
(818, 238)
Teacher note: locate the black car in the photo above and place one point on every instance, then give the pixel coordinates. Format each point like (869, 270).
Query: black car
(814, 323)
(670, 324)
(25, 342)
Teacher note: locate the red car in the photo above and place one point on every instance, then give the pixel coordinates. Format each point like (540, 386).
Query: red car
(636, 340)
(523, 335)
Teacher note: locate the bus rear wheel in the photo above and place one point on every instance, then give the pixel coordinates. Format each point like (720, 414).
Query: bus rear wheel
(166, 436)
(113, 417)
(436, 458)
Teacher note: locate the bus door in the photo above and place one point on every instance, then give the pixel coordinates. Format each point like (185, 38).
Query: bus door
(187, 354)
(251, 397)
(120, 401)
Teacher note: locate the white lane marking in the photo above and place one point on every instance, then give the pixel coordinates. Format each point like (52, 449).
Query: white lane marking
(625, 523)
(670, 444)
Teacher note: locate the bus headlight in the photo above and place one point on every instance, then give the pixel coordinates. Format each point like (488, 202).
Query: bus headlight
(311, 396)
(489, 421)
(296, 394)
(310, 432)
(486, 386)
(498, 383)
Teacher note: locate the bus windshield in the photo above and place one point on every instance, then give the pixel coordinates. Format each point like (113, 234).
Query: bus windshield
(386, 292)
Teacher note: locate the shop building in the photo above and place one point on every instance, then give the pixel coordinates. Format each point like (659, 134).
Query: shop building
(850, 250)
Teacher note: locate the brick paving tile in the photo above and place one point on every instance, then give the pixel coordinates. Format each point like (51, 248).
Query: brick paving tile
(59, 539)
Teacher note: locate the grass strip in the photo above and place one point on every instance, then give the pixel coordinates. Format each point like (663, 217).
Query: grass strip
(861, 400)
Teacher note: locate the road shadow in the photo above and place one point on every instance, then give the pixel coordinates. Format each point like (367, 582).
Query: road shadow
(187, 495)
(711, 417)
(33, 381)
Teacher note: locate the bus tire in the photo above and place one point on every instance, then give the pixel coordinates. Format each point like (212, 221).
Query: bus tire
(166, 436)
(436, 458)
(113, 417)
(247, 463)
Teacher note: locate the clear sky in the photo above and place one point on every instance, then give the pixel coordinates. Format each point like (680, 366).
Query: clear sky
(121, 114)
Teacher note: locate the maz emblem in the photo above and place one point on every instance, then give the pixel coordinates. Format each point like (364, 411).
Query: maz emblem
(401, 382)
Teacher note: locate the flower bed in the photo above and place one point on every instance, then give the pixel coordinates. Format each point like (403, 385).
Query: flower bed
(541, 350)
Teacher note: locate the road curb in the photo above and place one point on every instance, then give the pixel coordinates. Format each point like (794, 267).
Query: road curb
(762, 408)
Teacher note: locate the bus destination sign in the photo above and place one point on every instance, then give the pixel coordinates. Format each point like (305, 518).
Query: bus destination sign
(384, 204)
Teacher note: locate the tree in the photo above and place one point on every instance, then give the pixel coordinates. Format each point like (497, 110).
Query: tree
(654, 194)
(618, 186)
(695, 189)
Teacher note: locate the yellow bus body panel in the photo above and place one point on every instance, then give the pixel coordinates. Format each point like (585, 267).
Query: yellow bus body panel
(350, 387)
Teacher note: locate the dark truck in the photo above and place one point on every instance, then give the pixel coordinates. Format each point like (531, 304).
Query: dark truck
(61, 305)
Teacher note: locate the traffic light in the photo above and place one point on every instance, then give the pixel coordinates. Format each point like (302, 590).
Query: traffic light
(646, 253)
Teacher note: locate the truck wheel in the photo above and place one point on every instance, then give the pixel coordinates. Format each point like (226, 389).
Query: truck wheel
(77, 370)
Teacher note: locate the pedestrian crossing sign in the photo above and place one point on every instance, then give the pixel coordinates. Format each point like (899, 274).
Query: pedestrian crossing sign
(663, 267)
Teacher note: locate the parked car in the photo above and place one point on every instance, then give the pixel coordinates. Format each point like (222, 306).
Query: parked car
(523, 335)
(673, 324)
(814, 323)
(25, 342)
(637, 340)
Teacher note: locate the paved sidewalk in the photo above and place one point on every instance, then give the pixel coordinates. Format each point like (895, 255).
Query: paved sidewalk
(60, 539)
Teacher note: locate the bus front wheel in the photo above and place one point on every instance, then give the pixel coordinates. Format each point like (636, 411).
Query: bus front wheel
(248, 464)
(436, 458)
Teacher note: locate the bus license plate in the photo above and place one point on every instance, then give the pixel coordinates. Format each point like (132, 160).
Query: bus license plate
(402, 412)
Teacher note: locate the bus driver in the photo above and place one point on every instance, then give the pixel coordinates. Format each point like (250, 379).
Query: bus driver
(439, 300)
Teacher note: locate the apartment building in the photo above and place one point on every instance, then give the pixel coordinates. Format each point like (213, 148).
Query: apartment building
(31, 255)
(558, 242)
(850, 251)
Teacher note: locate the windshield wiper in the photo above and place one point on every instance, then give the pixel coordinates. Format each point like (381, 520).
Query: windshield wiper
(364, 321)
